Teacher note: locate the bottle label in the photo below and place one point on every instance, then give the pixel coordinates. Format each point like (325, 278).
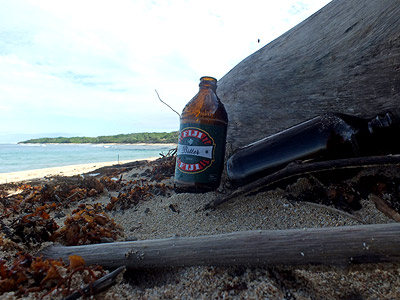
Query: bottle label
(200, 153)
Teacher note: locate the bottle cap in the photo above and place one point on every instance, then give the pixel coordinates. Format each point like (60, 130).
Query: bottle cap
(208, 78)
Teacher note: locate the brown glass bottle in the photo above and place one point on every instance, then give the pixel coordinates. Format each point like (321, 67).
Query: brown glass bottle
(201, 142)
(330, 136)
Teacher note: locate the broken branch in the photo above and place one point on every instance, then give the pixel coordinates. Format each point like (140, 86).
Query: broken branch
(298, 169)
(385, 208)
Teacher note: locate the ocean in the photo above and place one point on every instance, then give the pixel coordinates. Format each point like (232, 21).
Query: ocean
(22, 157)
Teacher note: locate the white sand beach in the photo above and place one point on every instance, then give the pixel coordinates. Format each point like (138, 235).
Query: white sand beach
(182, 215)
(63, 170)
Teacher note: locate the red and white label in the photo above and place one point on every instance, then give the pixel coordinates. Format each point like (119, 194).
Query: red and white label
(195, 150)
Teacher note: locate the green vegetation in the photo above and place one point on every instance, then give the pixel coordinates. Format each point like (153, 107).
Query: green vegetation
(132, 138)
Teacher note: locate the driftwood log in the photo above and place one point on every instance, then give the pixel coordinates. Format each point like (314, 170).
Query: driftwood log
(344, 58)
(335, 245)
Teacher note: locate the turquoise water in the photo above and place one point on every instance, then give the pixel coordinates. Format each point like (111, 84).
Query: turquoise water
(21, 157)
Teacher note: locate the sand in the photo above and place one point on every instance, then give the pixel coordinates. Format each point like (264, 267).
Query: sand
(154, 219)
(55, 171)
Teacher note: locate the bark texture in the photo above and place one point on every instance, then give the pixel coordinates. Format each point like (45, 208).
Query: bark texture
(344, 58)
(331, 245)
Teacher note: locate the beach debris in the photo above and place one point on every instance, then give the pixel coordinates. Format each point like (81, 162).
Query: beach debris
(27, 223)
(27, 220)
(382, 205)
(58, 193)
(110, 184)
(173, 208)
(71, 189)
(28, 274)
(35, 228)
(135, 191)
(155, 181)
(88, 224)
(299, 169)
(340, 195)
(98, 286)
(162, 168)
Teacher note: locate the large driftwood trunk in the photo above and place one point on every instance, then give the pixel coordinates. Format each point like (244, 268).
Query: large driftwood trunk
(344, 58)
(335, 245)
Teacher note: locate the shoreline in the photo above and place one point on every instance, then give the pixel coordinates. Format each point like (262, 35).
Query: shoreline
(104, 144)
(69, 170)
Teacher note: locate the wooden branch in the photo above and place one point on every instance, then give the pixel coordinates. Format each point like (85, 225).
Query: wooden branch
(298, 169)
(335, 210)
(332, 245)
(385, 208)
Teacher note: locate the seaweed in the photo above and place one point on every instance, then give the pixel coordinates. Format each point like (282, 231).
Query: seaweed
(27, 274)
(88, 224)
(136, 191)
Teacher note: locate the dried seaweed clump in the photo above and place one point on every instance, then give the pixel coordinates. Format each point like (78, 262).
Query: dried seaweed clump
(131, 192)
(88, 224)
(163, 168)
(6, 187)
(136, 191)
(111, 183)
(27, 274)
(35, 228)
(23, 202)
(61, 190)
(71, 189)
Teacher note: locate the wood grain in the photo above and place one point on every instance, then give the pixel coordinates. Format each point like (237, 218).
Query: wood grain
(344, 58)
(334, 245)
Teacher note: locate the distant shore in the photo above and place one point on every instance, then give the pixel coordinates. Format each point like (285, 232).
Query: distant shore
(63, 171)
(105, 144)
(131, 138)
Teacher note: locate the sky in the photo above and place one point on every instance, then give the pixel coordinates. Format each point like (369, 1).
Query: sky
(90, 68)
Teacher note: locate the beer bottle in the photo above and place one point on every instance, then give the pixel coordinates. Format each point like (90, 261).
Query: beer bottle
(330, 136)
(201, 142)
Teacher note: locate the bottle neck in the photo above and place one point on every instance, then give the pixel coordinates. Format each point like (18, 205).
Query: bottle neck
(380, 122)
(207, 82)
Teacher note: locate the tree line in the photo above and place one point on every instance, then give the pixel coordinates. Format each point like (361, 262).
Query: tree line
(131, 138)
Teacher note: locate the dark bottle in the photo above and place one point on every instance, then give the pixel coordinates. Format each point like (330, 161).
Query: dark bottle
(330, 136)
(201, 142)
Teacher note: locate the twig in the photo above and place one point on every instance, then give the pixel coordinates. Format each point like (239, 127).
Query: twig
(167, 105)
(97, 286)
(385, 208)
(170, 153)
(293, 170)
(336, 211)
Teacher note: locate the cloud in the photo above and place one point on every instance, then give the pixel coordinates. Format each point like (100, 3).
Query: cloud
(100, 61)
